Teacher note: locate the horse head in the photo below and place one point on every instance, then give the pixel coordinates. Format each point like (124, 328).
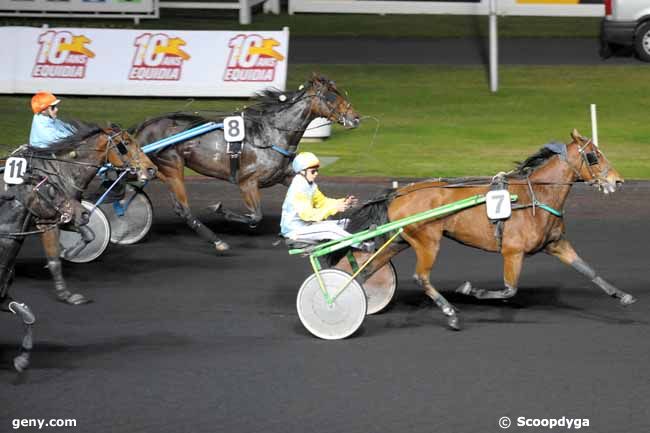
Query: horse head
(122, 150)
(592, 165)
(328, 102)
(49, 202)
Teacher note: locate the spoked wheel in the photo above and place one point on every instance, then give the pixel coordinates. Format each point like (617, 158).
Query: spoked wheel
(337, 320)
(380, 287)
(130, 218)
(99, 225)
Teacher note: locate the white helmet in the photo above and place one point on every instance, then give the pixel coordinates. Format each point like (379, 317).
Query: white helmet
(303, 161)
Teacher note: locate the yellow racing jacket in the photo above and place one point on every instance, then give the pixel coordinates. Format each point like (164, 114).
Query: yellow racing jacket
(305, 204)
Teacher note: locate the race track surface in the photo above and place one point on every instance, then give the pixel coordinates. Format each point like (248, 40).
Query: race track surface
(182, 340)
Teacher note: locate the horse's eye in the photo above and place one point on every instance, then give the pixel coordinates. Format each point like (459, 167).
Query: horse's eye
(592, 159)
(122, 148)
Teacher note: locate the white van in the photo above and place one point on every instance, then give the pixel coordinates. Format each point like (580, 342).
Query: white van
(627, 23)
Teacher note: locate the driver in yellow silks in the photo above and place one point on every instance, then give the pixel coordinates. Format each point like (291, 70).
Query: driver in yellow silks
(305, 208)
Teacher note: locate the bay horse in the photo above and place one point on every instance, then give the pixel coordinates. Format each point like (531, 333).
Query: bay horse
(274, 126)
(41, 203)
(542, 182)
(77, 159)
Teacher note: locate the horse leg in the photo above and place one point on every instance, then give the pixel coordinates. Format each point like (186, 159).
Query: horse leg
(50, 240)
(382, 258)
(426, 251)
(173, 176)
(512, 263)
(251, 194)
(563, 250)
(87, 236)
(10, 248)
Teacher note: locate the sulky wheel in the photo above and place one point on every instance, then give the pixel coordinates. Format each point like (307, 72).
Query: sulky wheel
(101, 229)
(130, 218)
(380, 287)
(337, 320)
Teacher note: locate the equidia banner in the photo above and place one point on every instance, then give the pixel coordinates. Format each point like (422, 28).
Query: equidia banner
(143, 62)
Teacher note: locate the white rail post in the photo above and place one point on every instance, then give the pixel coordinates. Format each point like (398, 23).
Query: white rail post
(244, 12)
(494, 48)
(594, 125)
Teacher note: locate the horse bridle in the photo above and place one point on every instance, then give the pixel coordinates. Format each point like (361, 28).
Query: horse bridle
(589, 159)
(122, 151)
(330, 97)
(65, 215)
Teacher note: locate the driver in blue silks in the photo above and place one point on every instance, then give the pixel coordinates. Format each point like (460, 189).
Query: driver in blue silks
(46, 128)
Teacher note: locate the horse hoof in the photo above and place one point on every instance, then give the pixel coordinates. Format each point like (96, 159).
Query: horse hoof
(216, 208)
(221, 246)
(627, 300)
(74, 299)
(21, 362)
(78, 299)
(465, 288)
(453, 322)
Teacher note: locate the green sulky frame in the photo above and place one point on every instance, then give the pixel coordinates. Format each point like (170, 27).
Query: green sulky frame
(317, 251)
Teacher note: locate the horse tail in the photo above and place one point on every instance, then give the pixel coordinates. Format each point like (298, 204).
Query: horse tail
(372, 213)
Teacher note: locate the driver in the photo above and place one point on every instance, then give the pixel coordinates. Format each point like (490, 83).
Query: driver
(305, 208)
(46, 128)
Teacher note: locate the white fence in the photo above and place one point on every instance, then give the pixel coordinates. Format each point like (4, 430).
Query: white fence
(131, 9)
(244, 7)
(478, 7)
(143, 62)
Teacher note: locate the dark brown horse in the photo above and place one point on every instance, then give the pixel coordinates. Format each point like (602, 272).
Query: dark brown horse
(274, 126)
(542, 182)
(77, 159)
(38, 205)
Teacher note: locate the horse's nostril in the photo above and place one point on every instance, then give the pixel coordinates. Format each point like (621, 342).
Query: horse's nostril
(151, 172)
(85, 217)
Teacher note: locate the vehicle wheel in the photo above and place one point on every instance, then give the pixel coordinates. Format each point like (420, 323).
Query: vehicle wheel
(130, 218)
(99, 225)
(343, 316)
(380, 287)
(642, 41)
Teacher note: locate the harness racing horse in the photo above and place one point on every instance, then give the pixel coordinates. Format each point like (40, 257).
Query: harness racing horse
(274, 126)
(38, 201)
(542, 182)
(77, 159)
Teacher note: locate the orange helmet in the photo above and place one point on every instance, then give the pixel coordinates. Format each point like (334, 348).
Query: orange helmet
(42, 100)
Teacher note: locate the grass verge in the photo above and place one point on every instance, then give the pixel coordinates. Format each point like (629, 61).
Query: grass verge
(432, 120)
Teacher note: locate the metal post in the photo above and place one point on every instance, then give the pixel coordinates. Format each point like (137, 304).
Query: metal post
(494, 48)
(594, 125)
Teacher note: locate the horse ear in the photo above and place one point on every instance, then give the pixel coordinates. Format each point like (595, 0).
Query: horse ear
(576, 135)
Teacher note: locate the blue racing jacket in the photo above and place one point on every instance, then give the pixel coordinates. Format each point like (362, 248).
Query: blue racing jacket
(46, 130)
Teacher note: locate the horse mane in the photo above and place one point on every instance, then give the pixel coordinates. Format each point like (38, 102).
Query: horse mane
(263, 102)
(82, 130)
(534, 161)
(268, 101)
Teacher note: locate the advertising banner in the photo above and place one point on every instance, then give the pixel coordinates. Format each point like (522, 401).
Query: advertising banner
(144, 62)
